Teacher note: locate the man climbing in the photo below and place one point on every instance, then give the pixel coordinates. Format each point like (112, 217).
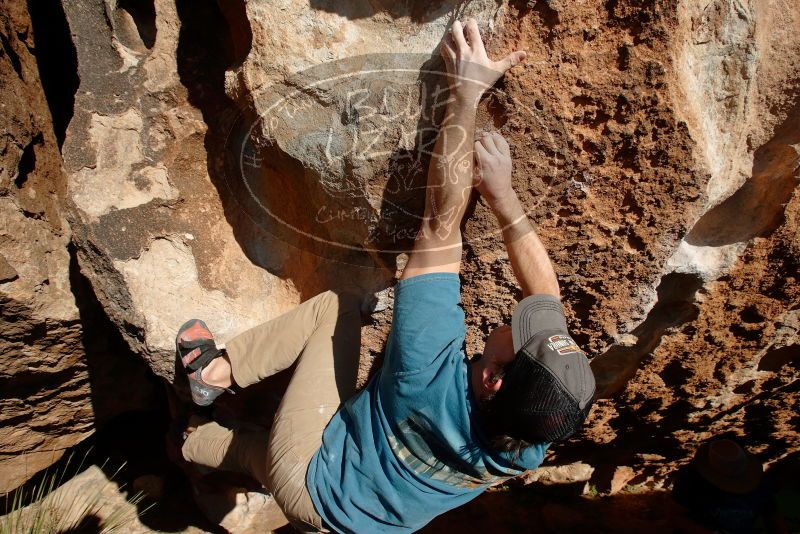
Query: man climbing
(431, 430)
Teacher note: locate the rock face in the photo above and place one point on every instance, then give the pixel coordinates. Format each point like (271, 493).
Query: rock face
(45, 404)
(696, 367)
(152, 230)
(228, 160)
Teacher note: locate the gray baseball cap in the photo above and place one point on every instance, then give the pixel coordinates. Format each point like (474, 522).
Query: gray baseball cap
(544, 348)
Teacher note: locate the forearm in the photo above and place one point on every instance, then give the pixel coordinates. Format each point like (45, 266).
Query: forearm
(437, 247)
(529, 259)
(450, 171)
(438, 244)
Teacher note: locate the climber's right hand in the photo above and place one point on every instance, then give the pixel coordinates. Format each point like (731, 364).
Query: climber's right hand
(493, 168)
(470, 71)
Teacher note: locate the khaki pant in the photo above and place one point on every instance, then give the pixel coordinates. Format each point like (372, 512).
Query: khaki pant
(323, 335)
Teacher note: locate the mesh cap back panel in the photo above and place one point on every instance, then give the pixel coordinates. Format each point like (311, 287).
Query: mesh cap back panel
(568, 364)
(534, 406)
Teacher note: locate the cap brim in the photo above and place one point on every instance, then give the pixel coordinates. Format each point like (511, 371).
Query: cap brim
(535, 314)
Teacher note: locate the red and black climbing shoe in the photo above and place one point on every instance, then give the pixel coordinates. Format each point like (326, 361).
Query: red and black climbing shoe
(195, 349)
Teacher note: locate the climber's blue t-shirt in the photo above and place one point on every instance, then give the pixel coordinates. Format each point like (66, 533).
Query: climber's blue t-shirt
(408, 447)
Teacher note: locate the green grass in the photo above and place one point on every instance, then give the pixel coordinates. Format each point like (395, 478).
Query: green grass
(51, 513)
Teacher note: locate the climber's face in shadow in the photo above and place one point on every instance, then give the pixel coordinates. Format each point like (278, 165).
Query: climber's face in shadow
(486, 373)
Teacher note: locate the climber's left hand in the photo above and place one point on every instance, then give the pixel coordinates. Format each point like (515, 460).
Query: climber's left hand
(470, 71)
